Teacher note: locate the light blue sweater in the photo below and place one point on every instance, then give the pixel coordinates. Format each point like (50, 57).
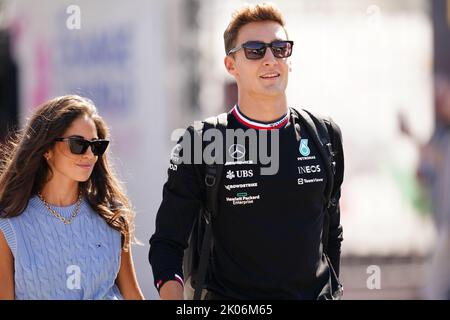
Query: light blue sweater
(55, 261)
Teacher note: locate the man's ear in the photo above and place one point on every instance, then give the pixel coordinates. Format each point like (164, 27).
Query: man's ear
(230, 65)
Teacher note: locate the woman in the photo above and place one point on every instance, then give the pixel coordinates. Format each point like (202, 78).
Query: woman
(66, 224)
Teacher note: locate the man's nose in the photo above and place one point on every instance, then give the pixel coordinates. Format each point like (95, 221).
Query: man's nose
(269, 58)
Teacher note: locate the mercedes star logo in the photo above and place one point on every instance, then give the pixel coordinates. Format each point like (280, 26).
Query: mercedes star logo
(237, 151)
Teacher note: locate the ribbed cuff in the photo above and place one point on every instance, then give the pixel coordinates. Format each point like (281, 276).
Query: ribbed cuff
(159, 283)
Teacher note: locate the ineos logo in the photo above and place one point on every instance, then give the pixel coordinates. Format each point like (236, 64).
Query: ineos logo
(309, 169)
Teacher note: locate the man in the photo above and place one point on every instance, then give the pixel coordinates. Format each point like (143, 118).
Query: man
(267, 233)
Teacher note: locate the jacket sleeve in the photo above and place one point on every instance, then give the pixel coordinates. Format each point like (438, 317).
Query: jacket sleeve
(335, 228)
(335, 238)
(182, 199)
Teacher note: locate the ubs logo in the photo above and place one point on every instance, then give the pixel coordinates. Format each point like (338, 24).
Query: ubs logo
(239, 174)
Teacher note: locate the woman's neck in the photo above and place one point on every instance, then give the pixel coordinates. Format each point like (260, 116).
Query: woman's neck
(60, 193)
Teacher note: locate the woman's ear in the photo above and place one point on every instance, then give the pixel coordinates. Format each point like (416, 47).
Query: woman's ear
(48, 155)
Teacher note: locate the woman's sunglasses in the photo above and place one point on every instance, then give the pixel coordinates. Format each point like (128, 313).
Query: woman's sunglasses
(80, 145)
(255, 50)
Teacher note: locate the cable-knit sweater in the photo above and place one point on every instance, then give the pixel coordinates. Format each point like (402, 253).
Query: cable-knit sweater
(53, 260)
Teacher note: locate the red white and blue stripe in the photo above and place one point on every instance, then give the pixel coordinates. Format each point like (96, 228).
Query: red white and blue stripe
(278, 124)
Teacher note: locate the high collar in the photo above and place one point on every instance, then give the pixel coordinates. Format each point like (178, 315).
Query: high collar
(259, 125)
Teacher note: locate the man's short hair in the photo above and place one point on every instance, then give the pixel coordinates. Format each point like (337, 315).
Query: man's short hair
(248, 14)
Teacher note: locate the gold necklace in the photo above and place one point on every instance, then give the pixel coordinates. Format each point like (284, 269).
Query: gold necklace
(58, 215)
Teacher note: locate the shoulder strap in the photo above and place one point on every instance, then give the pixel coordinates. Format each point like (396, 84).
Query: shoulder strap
(213, 173)
(337, 158)
(326, 134)
(317, 128)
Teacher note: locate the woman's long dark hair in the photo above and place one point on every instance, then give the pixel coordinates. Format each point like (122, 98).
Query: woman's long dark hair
(24, 170)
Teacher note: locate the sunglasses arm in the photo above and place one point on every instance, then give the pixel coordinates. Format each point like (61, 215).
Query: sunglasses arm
(236, 49)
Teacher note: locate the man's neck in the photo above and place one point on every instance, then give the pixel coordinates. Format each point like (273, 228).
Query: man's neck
(264, 110)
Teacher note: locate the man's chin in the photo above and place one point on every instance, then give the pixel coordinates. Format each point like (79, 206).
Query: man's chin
(273, 91)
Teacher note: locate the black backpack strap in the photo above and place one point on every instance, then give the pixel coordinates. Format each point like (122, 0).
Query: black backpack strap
(204, 260)
(338, 158)
(213, 173)
(338, 165)
(326, 134)
(317, 129)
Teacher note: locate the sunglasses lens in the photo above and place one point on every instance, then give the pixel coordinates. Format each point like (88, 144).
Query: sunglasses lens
(254, 50)
(78, 146)
(99, 147)
(281, 49)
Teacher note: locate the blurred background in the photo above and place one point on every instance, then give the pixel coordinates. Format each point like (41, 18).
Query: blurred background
(154, 66)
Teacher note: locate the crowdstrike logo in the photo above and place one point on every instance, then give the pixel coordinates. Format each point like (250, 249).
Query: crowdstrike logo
(238, 186)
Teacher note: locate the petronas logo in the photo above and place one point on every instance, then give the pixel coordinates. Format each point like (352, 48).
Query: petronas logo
(303, 148)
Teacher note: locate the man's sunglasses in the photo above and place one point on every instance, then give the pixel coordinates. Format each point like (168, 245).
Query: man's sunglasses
(255, 50)
(80, 145)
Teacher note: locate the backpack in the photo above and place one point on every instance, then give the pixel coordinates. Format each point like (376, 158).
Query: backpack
(197, 254)
(325, 134)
